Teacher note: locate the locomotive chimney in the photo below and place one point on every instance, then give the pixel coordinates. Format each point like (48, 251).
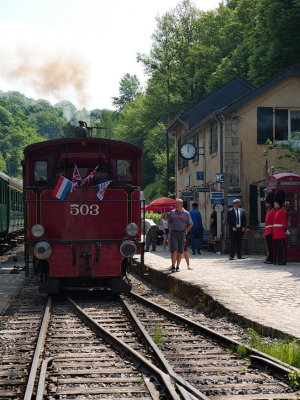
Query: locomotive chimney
(81, 130)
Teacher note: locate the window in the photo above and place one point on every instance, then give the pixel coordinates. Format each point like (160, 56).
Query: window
(284, 122)
(40, 171)
(213, 146)
(124, 170)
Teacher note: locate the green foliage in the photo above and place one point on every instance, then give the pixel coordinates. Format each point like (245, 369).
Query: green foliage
(286, 350)
(158, 336)
(129, 89)
(291, 151)
(156, 217)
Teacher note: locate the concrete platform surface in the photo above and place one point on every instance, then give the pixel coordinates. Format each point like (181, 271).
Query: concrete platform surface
(10, 283)
(267, 294)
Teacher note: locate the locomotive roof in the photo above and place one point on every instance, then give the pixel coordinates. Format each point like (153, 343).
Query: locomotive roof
(11, 181)
(49, 143)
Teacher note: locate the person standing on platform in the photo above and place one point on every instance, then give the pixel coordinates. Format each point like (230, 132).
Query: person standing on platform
(197, 229)
(237, 222)
(213, 223)
(180, 223)
(165, 228)
(186, 254)
(151, 234)
(269, 221)
(279, 228)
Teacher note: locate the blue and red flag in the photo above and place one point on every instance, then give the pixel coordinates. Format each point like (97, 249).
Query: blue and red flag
(102, 189)
(76, 179)
(62, 188)
(89, 177)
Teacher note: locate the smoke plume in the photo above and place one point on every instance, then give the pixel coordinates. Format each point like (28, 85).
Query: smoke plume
(52, 73)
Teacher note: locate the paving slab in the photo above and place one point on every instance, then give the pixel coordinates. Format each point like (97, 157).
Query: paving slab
(268, 295)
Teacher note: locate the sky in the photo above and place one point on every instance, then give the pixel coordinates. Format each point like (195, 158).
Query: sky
(77, 50)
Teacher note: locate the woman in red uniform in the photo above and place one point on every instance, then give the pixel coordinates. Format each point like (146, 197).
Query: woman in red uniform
(279, 228)
(270, 215)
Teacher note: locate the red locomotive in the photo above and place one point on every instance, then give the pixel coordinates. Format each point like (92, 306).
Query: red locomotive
(82, 211)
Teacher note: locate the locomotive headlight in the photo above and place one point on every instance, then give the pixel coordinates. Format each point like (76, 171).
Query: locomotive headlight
(128, 248)
(42, 250)
(132, 229)
(37, 230)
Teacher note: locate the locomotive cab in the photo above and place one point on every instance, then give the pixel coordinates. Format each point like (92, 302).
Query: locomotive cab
(83, 212)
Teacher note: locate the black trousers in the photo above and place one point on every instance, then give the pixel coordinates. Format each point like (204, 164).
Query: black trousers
(280, 251)
(270, 248)
(235, 243)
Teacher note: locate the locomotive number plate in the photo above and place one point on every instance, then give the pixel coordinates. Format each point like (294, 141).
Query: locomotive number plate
(84, 209)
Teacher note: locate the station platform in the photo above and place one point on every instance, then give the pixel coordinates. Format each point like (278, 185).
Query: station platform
(265, 297)
(12, 278)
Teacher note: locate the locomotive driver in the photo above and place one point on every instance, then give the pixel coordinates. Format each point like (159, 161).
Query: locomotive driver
(180, 223)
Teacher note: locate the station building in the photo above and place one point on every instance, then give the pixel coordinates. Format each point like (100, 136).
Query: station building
(220, 149)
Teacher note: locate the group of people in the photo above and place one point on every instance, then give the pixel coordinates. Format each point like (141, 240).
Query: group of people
(176, 226)
(275, 228)
(179, 223)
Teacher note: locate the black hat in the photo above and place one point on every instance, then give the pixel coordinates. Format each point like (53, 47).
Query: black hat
(195, 205)
(270, 198)
(280, 197)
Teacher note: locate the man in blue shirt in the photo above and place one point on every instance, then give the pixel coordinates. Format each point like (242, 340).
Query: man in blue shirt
(197, 229)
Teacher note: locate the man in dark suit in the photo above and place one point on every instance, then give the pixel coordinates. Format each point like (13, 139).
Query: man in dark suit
(237, 222)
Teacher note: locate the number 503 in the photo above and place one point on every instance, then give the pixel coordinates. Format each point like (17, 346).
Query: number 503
(84, 209)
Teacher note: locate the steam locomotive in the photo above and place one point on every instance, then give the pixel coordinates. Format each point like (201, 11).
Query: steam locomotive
(82, 211)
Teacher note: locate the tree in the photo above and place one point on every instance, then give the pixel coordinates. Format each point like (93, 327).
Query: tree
(129, 89)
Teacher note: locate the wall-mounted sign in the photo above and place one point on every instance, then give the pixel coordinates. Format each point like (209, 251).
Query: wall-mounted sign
(186, 180)
(217, 201)
(187, 193)
(219, 178)
(217, 195)
(219, 208)
(203, 189)
(200, 175)
(187, 198)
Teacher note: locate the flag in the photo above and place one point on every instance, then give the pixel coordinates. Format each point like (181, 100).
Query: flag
(62, 188)
(89, 177)
(76, 179)
(102, 189)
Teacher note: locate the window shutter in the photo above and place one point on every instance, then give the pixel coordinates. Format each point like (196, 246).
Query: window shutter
(253, 206)
(264, 124)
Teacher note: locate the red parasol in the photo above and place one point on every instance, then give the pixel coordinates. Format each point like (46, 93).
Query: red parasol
(163, 204)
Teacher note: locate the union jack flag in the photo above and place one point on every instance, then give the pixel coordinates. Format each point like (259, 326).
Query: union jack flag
(89, 177)
(102, 189)
(76, 179)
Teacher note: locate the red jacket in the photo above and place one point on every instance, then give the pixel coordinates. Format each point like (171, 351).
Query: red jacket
(269, 221)
(280, 224)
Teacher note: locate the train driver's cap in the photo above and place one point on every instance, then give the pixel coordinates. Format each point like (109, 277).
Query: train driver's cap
(236, 201)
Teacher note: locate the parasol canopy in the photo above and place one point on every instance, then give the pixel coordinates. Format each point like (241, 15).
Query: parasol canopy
(162, 204)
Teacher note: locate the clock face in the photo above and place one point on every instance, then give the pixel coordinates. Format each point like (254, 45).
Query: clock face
(187, 151)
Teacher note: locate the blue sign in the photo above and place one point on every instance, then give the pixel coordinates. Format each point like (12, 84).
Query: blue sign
(190, 193)
(200, 175)
(217, 195)
(219, 178)
(187, 198)
(203, 189)
(217, 201)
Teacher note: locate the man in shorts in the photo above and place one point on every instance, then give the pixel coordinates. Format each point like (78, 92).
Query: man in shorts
(180, 223)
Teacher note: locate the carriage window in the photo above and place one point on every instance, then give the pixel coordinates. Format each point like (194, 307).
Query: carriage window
(40, 171)
(124, 170)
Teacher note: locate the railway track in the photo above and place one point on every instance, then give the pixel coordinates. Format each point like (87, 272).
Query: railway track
(93, 348)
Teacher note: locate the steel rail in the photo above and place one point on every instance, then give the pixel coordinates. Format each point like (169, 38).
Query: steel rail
(120, 345)
(38, 350)
(165, 364)
(278, 367)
